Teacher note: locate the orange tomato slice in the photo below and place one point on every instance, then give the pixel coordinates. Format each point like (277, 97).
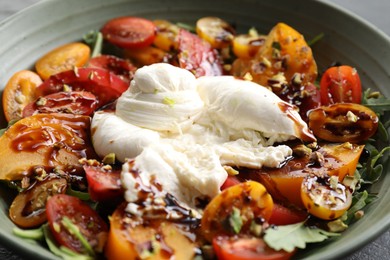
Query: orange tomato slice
(129, 239)
(285, 51)
(45, 140)
(246, 202)
(284, 184)
(63, 58)
(19, 91)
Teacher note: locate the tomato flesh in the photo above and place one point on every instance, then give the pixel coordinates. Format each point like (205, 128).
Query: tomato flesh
(343, 122)
(120, 67)
(103, 185)
(340, 85)
(129, 32)
(90, 224)
(73, 102)
(246, 248)
(102, 83)
(282, 215)
(197, 56)
(28, 208)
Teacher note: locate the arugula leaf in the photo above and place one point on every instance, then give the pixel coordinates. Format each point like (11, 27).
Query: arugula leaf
(75, 231)
(289, 237)
(316, 39)
(95, 41)
(376, 101)
(359, 201)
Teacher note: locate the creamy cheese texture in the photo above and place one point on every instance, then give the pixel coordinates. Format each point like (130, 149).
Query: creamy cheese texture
(177, 132)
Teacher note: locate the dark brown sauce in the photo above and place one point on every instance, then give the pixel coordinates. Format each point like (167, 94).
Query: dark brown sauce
(303, 132)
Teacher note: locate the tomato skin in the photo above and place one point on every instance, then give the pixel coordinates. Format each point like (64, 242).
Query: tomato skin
(103, 84)
(340, 85)
(63, 58)
(19, 91)
(45, 140)
(250, 198)
(215, 31)
(103, 185)
(120, 67)
(282, 215)
(323, 200)
(129, 32)
(90, 224)
(197, 56)
(343, 122)
(74, 102)
(246, 248)
(28, 208)
(129, 237)
(230, 181)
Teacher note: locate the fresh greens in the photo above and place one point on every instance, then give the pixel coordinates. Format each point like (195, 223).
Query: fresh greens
(293, 236)
(95, 40)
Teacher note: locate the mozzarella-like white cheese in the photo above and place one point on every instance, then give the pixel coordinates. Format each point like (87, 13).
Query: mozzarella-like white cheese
(161, 97)
(111, 134)
(181, 132)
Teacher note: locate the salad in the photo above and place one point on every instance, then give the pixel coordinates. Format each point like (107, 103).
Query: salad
(152, 140)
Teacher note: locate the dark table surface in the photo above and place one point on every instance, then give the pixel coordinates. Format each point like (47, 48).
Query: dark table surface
(374, 11)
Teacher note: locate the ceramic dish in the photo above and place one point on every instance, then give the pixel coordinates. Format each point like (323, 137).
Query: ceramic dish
(29, 34)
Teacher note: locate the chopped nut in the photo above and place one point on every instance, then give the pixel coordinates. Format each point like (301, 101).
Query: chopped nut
(375, 94)
(302, 150)
(266, 62)
(333, 182)
(248, 76)
(317, 158)
(337, 226)
(25, 183)
(297, 79)
(359, 214)
(66, 88)
(41, 101)
(230, 170)
(352, 117)
(109, 158)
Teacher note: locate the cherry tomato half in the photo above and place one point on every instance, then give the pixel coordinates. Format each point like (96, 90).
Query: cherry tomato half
(323, 199)
(343, 122)
(102, 83)
(197, 56)
(72, 102)
(230, 181)
(28, 208)
(120, 67)
(19, 91)
(103, 185)
(89, 223)
(340, 84)
(248, 202)
(63, 58)
(246, 248)
(129, 32)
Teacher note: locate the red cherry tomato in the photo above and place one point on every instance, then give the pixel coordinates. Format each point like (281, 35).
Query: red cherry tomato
(120, 67)
(282, 215)
(197, 56)
(230, 181)
(129, 32)
(89, 223)
(246, 248)
(74, 102)
(103, 185)
(103, 84)
(340, 85)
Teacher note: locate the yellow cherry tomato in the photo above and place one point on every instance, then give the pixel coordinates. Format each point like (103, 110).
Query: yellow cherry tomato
(63, 58)
(235, 209)
(166, 35)
(325, 197)
(215, 31)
